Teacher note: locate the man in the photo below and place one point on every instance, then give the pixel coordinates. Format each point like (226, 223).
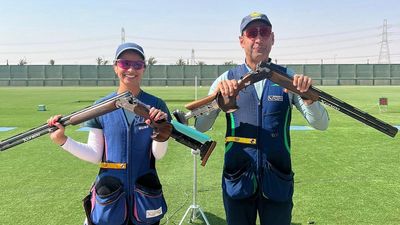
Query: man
(257, 174)
(127, 189)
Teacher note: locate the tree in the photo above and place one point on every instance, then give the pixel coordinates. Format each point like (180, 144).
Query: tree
(51, 62)
(180, 62)
(151, 61)
(101, 61)
(230, 63)
(22, 62)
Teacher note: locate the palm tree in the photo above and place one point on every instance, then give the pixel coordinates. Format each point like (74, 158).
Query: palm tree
(180, 62)
(22, 62)
(230, 63)
(151, 61)
(101, 61)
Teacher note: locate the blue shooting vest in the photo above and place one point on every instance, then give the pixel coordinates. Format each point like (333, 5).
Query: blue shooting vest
(129, 144)
(263, 167)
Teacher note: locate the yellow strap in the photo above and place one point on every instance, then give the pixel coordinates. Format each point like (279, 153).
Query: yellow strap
(117, 166)
(251, 141)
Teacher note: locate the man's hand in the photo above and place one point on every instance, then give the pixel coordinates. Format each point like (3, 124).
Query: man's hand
(227, 87)
(302, 83)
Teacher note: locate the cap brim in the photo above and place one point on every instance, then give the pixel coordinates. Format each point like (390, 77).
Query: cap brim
(130, 48)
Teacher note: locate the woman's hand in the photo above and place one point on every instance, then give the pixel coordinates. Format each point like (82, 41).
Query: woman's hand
(156, 115)
(57, 136)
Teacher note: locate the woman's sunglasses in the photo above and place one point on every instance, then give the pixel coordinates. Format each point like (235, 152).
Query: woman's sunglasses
(126, 64)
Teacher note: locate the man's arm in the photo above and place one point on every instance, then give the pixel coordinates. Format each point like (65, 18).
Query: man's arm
(315, 114)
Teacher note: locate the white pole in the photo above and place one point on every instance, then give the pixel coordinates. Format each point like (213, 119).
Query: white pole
(194, 208)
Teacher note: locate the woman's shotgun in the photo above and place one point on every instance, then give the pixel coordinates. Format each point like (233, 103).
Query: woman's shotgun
(162, 129)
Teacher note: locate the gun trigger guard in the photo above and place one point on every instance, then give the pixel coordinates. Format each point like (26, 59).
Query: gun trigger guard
(227, 104)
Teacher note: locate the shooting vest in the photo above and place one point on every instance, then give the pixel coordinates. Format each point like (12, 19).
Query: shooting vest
(128, 177)
(257, 151)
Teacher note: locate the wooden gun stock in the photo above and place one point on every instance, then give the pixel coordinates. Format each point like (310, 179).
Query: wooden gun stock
(228, 103)
(162, 129)
(200, 102)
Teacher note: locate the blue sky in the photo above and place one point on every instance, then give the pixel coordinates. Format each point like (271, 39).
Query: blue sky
(77, 32)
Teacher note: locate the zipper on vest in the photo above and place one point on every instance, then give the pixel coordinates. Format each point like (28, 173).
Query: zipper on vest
(129, 169)
(259, 122)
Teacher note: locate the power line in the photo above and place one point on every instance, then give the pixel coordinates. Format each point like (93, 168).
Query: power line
(179, 40)
(330, 34)
(107, 38)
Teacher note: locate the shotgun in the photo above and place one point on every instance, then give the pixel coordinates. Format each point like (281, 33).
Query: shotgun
(273, 72)
(162, 129)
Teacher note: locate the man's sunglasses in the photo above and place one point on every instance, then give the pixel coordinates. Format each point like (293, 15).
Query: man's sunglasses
(253, 32)
(126, 64)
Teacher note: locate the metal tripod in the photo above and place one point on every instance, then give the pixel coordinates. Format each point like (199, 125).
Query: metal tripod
(194, 208)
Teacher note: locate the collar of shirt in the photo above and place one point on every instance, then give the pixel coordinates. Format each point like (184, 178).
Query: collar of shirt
(259, 86)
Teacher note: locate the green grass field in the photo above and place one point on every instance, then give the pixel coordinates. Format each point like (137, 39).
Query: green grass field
(348, 174)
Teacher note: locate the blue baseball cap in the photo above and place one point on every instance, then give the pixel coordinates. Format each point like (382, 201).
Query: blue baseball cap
(129, 46)
(253, 17)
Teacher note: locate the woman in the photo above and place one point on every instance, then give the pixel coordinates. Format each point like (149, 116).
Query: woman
(127, 189)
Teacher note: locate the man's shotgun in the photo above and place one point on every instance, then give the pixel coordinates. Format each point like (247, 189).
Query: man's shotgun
(267, 70)
(162, 129)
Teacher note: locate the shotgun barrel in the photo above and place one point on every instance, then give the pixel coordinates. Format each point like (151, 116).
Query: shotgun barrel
(276, 75)
(71, 119)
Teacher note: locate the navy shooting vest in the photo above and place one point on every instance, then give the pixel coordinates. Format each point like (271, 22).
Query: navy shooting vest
(134, 192)
(266, 165)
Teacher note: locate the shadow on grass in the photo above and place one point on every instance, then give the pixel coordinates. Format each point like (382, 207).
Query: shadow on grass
(212, 219)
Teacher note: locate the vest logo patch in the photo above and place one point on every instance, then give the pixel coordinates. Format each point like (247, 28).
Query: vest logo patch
(143, 127)
(153, 213)
(275, 98)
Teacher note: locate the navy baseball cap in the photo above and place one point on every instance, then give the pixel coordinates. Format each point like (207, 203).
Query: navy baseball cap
(253, 17)
(129, 46)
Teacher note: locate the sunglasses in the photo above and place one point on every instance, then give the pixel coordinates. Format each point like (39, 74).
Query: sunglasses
(253, 32)
(126, 64)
